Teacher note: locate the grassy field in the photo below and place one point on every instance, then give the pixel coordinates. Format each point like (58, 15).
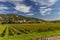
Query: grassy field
(28, 31)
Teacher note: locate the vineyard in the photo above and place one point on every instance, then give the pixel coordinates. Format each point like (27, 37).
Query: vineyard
(29, 30)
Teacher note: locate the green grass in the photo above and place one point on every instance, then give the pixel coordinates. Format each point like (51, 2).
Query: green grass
(28, 31)
(31, 35)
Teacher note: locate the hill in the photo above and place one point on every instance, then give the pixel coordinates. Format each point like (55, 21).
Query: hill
(15, 18)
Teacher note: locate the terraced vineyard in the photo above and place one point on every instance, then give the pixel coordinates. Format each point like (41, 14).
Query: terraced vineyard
(29, 30)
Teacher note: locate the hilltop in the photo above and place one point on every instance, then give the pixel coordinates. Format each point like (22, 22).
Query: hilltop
(15, 18)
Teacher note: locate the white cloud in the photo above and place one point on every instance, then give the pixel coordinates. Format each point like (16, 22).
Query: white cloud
(19, 5)
(16, 0)
(45, 2)
(22, 8)
(2, 0)
(52, 2)
(59, 12)
(30, 14)
(45, 11)
(1, 8)
(43, 7)
(10, 0)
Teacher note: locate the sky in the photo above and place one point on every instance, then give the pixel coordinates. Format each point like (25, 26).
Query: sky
(42, 9)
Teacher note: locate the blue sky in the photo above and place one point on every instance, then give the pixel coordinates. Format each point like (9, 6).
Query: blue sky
(42, 9)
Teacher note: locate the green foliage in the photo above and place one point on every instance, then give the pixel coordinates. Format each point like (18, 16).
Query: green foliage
(28, 31)
(18, 29)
